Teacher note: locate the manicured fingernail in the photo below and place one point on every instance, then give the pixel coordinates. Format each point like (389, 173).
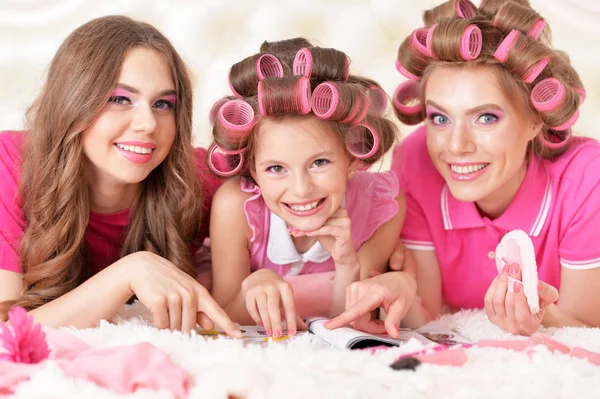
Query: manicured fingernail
(539, 285)
(270, 333)
(516, 287)
(291, 331)
(277, 334)
(237, 334)
(514, 269)
(505, 269)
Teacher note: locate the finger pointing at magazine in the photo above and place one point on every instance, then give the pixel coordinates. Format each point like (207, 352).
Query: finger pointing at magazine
(395, 292)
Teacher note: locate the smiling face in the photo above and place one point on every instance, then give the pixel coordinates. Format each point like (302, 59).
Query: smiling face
(476, 136)
(301, 167)
(135, 131)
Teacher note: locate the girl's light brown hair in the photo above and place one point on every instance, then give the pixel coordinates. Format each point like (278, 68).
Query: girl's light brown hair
(496, 19)
(165, 216)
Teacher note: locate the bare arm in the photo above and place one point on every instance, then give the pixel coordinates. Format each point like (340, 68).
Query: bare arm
(230, 236)
(578, 302)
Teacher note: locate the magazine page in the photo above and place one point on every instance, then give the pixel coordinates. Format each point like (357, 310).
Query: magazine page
(347, 337)
(443, 335)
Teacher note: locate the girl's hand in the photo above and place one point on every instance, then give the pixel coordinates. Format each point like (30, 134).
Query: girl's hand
(176, 300)
(506, 305)
(335, 237)
(265, 294)
(395, 292)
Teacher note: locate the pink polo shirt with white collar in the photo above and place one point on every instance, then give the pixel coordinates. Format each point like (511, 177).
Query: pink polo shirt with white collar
(558, 205)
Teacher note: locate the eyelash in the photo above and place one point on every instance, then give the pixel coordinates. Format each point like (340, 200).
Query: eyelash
(432, 117)
(121, 100)
(272, 168)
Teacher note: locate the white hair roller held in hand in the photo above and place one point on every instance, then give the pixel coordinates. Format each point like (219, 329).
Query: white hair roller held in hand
(516, 247)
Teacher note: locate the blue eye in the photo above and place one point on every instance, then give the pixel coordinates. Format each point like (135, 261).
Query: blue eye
(163, 104)
(439, 119)
(275, 169)
(487, 119)
(319, 163)
(120, 100)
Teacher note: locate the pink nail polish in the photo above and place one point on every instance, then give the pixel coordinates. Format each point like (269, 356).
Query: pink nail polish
(270, 332)
(505, 269)
(516, 287)
(514, 269)
(539, 285)
(291, 331)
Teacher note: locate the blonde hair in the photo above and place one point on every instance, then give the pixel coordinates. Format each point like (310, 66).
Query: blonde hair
(515, 44)
(165, 216)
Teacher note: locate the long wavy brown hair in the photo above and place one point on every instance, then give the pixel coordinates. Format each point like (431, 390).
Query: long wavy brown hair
(165, 217)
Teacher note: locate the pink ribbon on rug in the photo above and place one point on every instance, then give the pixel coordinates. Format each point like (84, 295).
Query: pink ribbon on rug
(124, 369)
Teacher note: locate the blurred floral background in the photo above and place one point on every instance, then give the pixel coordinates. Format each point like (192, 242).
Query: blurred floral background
(211, 35)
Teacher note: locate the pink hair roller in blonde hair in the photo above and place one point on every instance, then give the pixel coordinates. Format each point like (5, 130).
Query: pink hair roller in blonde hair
(218, 163)
(358, 143)
(236, 116)
(404, 72)
(501, 53)
(555, 144)
(471, 43)
(235, 93)
(567, 125)
(548, 94)
(405, 93)
(465, 9)
(537, 28)
(532, 75)
(378, 101)
(582, 94)
(421, 40)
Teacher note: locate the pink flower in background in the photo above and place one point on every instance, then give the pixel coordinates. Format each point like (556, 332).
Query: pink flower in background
(23, 341)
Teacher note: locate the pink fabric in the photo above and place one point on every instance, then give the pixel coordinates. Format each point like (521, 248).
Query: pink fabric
(370, 202)
(123, 369)
(104, 234)
(557, 206)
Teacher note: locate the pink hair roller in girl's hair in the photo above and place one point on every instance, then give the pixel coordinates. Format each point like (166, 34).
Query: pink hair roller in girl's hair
(303, 63)
(548, 94)
(212, 115)
(501, 53)
(325, 100)
(532, 75)
(378, 101)
(236, 116)
(217, 161)
(582, 94)
(567, 125)
(405, 93)
(465, 9)
(362, 141)
(537, 28)
(404, 72)
(301, 93)
(471, 43)
(268, 66)
(421, 40)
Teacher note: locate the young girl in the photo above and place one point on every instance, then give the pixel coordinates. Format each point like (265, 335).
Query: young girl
(497, 153)
(100, 198)
(303, 220)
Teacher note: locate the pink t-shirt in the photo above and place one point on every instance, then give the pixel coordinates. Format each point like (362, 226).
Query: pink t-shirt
(104, 233)
(370, 201)
(558, 205)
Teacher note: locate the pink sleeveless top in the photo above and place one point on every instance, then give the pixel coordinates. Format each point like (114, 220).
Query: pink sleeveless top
(370, 201)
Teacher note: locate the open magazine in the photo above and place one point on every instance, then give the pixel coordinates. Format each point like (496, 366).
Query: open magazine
(349, 338)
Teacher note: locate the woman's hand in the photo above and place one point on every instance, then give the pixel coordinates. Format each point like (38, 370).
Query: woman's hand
(395, 292)
(176, 300)
(265, 294)
(506, 305)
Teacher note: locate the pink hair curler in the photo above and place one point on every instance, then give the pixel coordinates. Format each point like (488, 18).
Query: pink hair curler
(268, 66)
(501, 53)
(218, 163)
(581, 353)
(552, 344)
(325, 100)
(582, 94)
(405, 73)
(471, 43)
(303, 62)
(378, 101)
(421, 41)
(451, 357)
(212, 114)
(236, 116)
(358, 143)
(567, 125)
(465, 9)
(358, 113)
(555, 144)
(518, 345)
(300, 97)
(532, 75)
(235, 93)
(406, 93)
(537, 28)
(548, 94)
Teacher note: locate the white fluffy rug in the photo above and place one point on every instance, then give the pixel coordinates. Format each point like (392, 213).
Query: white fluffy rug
(307, 368)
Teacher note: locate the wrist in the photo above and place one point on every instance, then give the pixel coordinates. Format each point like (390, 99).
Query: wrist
(350, 263)
(120, 271)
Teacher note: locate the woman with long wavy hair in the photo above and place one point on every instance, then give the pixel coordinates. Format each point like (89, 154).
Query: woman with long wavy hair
(101, 196)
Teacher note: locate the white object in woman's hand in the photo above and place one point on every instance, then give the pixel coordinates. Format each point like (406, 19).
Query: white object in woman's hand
(176, 300)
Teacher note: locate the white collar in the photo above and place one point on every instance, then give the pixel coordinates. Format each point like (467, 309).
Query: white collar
(281, 249)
